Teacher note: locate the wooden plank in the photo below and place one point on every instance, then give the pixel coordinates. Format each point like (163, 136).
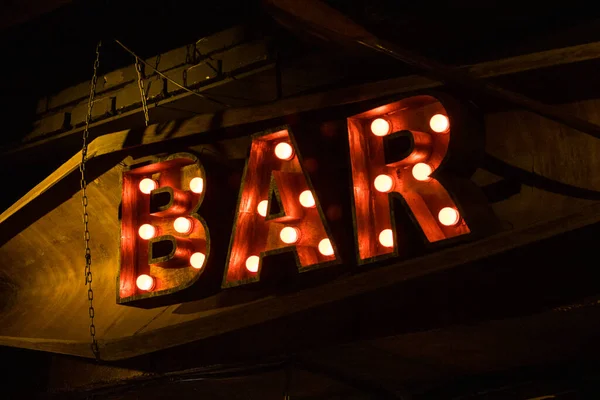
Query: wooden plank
(275, 307)
(100, 146)
(534, 61)
(117, 141)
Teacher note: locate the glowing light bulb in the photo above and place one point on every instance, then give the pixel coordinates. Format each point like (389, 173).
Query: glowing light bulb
(284, 151)
(147, 231)
(307, 199)
(262, 208)
(421, 171)
(325, 247)
(289, 235)
(197, 260)
(386, 238)
(183, 225)
(252, 263)
(380, 127)
(197, 185)
(439, 123)
(147, 185)
(145, 282)
(449, 216)
(384, 183)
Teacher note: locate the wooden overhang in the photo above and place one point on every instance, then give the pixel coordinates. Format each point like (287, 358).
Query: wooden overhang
(45, 310)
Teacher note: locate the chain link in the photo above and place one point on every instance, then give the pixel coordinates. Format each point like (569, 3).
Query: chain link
(84, 203)
(138, 68)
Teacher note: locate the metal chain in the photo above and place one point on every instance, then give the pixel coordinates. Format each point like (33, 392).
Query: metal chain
(138, 68)
(84, 202)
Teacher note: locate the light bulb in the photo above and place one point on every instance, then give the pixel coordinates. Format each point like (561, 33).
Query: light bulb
(384, 183)
(289, 235)
(386, 238)
(307, 199)
(262, 208)
(421, 171)
(147, 185)
(380, 127)
(325, 247)
(145, 282)
(183, 225)
(284, 151)
(197, 260)
(439, 123)
(252, 263)
(147, 231)
(197, 185)
(449, 216)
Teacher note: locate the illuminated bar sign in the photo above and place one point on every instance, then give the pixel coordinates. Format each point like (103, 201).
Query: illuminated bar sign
(420, 150)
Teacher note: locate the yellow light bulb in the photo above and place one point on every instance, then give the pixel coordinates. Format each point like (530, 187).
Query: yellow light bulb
(145, 282)
(147, 231)
(325, 247)
(252, 263)
(380, 127)
(197, 260)
(386, 238)
(449, 216)
(307, 199)
(147, 185)
(289, 235)
(439, 123)
(421, 172)
(384, 183)
(262, 208)
(183, 225)
(197, 185)
(284, 151)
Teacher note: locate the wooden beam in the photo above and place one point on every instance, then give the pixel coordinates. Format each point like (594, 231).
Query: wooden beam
(318, 18)
(101, 146)
(275, 307)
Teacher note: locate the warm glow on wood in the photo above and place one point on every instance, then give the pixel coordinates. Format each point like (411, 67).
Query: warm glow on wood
(325, 247)
(386, 238)
(380, 127)
(307, 199)
(147, 185)
(449, 216)
(197, 185)
(384, 183)
(421, 172)
(145, 282)
(262, 208)
(439, 123)
(284, 151)
(289, 235)
(252, 263)
(183, 225)
(147, 231)
(197, 260)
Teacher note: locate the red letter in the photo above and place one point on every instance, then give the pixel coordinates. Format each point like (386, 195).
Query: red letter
(164, 243)
(277, 209)
(396, 149)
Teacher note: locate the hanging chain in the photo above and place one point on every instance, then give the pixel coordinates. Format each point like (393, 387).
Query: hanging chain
(138, 68)
(84, 202)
